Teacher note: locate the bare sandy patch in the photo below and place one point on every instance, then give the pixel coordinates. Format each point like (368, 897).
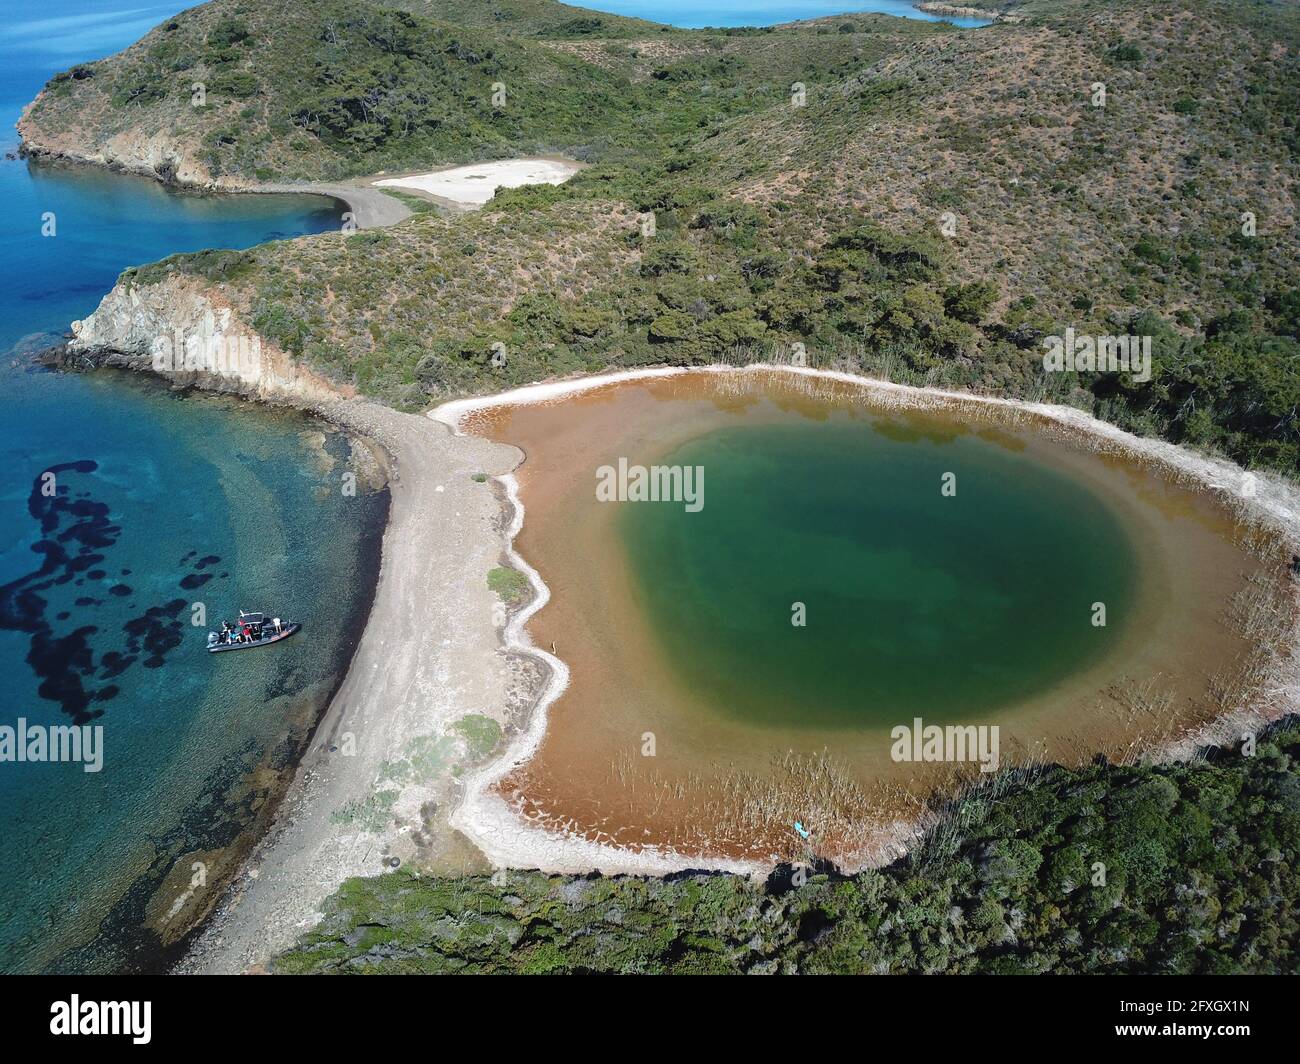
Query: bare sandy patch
(477, 183)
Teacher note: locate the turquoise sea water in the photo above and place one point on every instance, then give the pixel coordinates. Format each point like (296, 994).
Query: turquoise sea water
(166, 503)
(163, 502)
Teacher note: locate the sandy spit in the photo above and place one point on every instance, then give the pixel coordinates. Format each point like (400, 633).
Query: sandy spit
(370, 208)
(428, 656)
(962, 11)
(509, 841)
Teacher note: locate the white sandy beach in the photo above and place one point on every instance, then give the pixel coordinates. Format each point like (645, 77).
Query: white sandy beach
(474, 185)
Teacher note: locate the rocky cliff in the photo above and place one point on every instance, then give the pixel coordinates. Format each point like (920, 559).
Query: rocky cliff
(186, 331)
(161, 155)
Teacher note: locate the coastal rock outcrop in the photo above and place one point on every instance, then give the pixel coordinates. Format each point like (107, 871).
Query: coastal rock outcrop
(156, 155)
(186, 331)
(959, 10)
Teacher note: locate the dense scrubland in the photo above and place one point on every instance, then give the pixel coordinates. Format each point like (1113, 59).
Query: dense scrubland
(939, 203)
(1186, 868)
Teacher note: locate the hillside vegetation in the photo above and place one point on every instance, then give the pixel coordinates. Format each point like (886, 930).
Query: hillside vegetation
(1107, 869)
(939, 203)
(326, 89)
(533, 18)
(245, 90)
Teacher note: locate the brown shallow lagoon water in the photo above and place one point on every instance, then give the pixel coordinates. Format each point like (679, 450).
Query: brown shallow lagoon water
(739, 667)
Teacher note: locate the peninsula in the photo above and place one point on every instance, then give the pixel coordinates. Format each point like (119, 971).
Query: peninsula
(858, 218)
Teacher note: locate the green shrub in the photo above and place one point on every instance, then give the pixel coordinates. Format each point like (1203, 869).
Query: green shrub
(510, 584)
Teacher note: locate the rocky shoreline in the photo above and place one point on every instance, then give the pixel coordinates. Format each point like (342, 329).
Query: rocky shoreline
(960, 11)
(369, 206)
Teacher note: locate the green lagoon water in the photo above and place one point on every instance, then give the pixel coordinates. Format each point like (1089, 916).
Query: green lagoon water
(916, 604)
